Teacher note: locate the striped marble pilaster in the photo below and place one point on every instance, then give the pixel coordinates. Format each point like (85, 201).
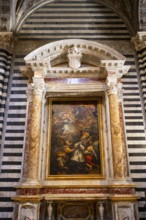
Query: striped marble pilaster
(6, 45)
(140, 46)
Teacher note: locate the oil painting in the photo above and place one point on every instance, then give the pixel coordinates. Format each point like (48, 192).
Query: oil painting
(75, 140)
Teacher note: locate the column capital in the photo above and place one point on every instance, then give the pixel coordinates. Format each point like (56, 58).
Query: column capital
(27, 72)
(38, 86)
(7, 40)
(111, 85)
(139, 40)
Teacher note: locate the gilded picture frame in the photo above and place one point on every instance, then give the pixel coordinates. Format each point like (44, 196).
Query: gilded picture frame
(75, 138)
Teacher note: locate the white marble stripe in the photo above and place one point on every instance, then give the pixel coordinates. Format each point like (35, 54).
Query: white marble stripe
(69, 32)
(75, 36)
(12, 167)
(136, 142)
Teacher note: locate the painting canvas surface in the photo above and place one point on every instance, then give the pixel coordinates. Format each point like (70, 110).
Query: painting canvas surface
(74, 145)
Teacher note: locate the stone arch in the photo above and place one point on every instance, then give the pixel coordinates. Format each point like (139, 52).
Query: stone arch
(42, 3)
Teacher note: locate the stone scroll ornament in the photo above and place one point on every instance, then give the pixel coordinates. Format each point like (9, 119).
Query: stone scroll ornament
(74, 55)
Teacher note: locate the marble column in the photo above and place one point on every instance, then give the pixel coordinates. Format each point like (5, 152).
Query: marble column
(116, 136)
(32, 175)
(122, 124)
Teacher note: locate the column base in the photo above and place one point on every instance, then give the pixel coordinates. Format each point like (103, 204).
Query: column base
(29, 182)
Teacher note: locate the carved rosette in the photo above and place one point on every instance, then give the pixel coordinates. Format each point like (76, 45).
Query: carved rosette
(35, 127)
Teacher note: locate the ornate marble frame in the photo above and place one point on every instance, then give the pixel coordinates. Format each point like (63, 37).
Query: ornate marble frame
(100, 175)
(103, 72)
(101, 77)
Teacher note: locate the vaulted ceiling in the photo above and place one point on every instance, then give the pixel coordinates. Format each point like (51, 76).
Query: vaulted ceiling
(14, 12)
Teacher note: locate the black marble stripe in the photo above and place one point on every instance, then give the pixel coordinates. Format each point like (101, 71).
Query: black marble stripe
(14, 131)
(5, 199)
(75, 28)
(18, 99)
(114, 22)
(14, 138)
(135, 131)
(137, 145)
(6, 188)
(136, 138)
(13, 107)
(16, 123)
(6, 209)
(134, 123)
(138, 170)
(132, 105)
(10, 171)
(137, 154)
(68, 37)
(74, 34)
(11, 163)
(20, 92)
(16, 115)
(137, 163)
(9, 180)
(133, 117)
(12, 154)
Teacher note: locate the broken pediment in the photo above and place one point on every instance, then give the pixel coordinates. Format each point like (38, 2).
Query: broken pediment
(74, 58)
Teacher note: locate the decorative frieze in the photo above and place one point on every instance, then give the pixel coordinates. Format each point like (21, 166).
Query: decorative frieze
(99, 190)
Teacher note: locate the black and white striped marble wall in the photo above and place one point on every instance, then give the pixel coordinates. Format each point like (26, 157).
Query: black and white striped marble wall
(63, 20)
(13, 146)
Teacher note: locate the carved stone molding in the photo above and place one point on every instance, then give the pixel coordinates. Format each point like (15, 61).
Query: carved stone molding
(139, 40)
(6, 41)
(27, 72)
(45, 57)
(115, 67)
(38, 86)
(111, 85)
